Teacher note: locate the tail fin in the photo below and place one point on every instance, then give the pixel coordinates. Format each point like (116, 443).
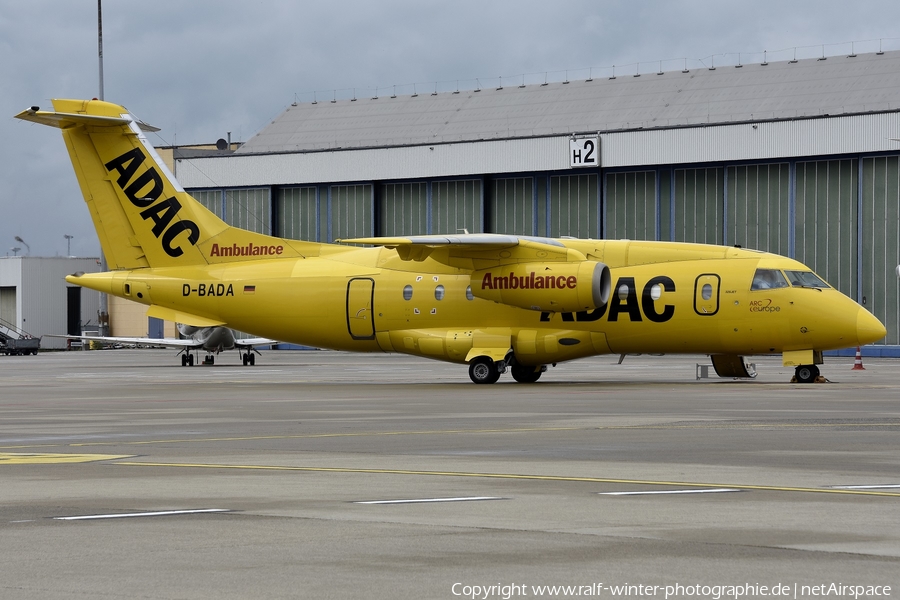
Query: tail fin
(143, 217)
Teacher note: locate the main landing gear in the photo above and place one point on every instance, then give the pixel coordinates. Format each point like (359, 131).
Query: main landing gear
(483, 369)
(806, 373)
(249, 358)
(187, 359)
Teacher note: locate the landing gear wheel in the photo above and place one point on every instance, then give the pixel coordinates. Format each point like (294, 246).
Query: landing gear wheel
(525, 374)
(806, 373)
(184, 360)
(252, 359)
(245, 359)
(483, 370)
(190, 360)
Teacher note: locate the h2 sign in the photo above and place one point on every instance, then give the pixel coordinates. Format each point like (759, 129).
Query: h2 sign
(584, 152)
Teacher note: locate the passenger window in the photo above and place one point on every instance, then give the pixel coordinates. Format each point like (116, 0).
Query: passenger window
(805, 279)
(766, 279)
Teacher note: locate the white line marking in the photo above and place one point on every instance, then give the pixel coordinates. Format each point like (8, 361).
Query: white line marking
(162, 513)
(425, 500)
(700, 491)
(886, 486)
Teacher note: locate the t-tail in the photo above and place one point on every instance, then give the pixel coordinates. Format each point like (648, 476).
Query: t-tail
(143, 217)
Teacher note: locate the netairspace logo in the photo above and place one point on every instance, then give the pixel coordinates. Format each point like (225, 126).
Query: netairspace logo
(712, 592)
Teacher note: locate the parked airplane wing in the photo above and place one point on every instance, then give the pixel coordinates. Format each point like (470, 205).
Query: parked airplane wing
(251, 342)
(475, 250)
(139, 341)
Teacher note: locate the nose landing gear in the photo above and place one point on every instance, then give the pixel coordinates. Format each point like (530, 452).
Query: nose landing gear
(806, 373)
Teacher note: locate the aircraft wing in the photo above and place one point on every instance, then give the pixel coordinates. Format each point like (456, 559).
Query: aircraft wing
(477, 250)
(139, 341)
(250, 342)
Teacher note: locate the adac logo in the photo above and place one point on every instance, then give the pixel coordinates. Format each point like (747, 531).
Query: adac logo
(143, 191)
(528, 282)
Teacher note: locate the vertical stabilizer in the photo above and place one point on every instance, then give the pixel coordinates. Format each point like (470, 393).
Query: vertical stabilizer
(143, 217)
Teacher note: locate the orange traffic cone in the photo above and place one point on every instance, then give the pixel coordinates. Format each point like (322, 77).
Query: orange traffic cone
(857, 363)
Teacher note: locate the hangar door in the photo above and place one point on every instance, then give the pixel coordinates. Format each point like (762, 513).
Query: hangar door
(699, 202)
(404, 209)
(574, 206)
(758, 212)
(8, 304)
(351, 212)
(512, 206)
(826, 226)
(631, 206)
(881, 242)
(457, 205)
(298, 214)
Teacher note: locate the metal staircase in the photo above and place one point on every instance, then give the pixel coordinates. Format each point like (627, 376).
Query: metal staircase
(15, 341)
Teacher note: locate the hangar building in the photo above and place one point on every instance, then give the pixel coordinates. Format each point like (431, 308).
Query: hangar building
(35, 298)
(794, 157)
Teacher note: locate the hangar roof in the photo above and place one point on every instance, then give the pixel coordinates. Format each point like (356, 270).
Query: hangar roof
(751, 92)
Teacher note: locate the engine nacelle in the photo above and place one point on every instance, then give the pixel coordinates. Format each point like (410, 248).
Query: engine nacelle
(553, 286)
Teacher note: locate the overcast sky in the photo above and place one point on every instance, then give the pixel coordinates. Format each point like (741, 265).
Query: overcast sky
(200, 68)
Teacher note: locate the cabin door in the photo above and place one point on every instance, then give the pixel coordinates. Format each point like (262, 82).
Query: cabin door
(360, 296)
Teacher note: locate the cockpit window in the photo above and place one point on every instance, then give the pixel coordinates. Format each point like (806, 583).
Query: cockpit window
(766, 279)
(805, 279)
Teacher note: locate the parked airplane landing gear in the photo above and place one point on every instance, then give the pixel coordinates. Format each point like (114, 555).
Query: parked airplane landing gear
(806, 373)
(209, 360)
(526, 374)
(483, 369)
(187, 360)
(249, 359)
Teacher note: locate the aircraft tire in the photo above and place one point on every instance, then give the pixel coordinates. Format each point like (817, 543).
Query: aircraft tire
(806, 373)
(190, 360)
(525, 374)
(252, 359)
(245, 360)
(483, 370)
(184, 360)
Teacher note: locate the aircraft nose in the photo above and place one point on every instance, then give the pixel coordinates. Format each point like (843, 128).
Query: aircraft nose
(868, 328)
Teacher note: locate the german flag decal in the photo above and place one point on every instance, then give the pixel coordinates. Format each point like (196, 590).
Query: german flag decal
(249, 289)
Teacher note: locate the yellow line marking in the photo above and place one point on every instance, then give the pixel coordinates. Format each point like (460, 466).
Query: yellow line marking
(773, 488)
(23, 458)
(711, 425)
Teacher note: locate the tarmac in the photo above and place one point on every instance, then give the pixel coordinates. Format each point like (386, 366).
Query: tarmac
(328, 475)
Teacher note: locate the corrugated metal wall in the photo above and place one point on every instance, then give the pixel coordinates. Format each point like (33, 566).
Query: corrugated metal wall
(699, 205)
(249, 209)
(758, 208)
(298, 213)
(825, 230)
(880, 287)
(404, 209)
(631, 205)
(457, 206)
(511, 208)
(743, 142)
(574, 206)
(351, 211)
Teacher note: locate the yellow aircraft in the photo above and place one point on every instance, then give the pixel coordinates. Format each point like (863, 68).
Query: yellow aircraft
(496, 302)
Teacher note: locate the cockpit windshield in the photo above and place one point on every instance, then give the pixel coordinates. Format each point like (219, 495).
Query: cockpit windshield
(805, 279)
(766, 279)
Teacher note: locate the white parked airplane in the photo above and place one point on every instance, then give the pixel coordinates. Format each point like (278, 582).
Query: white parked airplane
(210, 339)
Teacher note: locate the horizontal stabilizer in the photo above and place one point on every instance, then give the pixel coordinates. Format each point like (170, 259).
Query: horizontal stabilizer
(169, 314)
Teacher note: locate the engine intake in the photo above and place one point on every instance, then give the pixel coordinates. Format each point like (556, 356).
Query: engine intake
(554, 287)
